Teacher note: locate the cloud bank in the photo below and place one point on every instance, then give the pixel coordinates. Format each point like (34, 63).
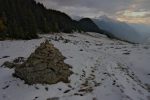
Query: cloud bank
(132, 11)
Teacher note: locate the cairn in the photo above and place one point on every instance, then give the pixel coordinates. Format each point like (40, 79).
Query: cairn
(44, 66)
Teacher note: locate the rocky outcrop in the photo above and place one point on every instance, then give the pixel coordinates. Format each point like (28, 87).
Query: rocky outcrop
(44, 66)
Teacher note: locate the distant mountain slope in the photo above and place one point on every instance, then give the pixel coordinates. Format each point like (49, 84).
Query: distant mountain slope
(23, 19)
(120, 30)
(88, 25)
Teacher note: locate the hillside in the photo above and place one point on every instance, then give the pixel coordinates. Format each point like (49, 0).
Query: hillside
(88, 25)
(103, 69)
(23, 19)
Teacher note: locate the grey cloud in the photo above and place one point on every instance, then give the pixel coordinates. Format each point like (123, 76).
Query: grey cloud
(143, 4)
(106, 5)
(91, 8)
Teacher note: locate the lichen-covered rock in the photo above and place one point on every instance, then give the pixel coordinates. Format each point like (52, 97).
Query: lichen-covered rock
(19, 60)
(8, 64)
(15, 63)
(45, 66)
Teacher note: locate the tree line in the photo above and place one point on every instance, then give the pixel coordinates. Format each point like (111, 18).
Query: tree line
(24, 19)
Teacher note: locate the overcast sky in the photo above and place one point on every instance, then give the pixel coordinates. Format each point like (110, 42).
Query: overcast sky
(132, 11)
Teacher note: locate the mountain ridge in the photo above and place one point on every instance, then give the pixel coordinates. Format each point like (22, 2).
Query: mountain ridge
(23, 19)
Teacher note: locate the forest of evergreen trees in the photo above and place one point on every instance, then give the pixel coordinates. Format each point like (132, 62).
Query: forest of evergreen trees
(88, 25)
(24, 19)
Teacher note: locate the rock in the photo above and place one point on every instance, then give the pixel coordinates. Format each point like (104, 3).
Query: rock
(4, 57)
(127, 53)
(19, 60)
(148, 87)
(66, 91)
(81, 49)
(16, 62)
(46, 88)
(5, 87)
(44, 66)
(54, 98)
(8, 64)
(66, 41)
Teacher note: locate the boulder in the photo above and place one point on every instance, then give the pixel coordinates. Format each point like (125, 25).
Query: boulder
(44, 66)
(8, 64)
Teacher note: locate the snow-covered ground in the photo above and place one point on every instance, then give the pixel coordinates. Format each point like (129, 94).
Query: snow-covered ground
(104, 69)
